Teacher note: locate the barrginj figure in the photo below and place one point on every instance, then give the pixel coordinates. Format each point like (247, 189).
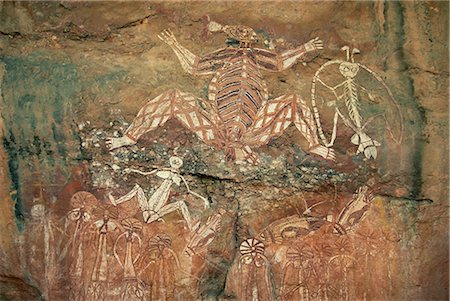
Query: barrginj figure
(240, 115)
(157, 205)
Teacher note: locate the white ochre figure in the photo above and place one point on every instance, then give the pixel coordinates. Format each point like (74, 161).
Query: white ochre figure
(157, 206)
(238, 114)
(348, 106)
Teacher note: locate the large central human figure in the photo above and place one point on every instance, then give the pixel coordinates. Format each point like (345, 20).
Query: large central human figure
(240, 116)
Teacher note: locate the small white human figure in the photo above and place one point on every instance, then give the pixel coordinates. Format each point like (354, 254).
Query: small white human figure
(157, 206)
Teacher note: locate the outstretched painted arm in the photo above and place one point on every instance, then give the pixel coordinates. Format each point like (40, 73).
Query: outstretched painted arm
(272, 61)
(129, 170)
(290, 57)
(190, 62)
(206, 202)
(186, 58)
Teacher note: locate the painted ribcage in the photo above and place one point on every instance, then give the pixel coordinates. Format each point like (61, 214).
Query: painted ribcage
(239, 91)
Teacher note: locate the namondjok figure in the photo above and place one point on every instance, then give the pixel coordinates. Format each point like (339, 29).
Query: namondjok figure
(240, 116)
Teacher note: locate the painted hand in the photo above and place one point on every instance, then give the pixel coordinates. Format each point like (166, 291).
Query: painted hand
(314, 44)
(167, 37)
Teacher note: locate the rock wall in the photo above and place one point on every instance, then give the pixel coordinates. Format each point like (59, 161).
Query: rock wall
(211, 171)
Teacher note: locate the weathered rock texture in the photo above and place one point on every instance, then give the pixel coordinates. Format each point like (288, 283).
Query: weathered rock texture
(73, 74)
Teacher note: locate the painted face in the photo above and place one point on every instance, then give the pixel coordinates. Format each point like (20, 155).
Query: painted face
(349, 70)
(132, 225)
(38, 211)
(175, 162)
(252, 251)
(158, 244)
(79, 214)
(245, 35)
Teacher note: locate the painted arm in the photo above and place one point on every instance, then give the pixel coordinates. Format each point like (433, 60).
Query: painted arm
(271, 61)
(129, 170)
(194, 193)
(190, 62)
(290, 57)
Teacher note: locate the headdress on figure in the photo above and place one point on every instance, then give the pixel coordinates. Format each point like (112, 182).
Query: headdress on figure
(244, 34)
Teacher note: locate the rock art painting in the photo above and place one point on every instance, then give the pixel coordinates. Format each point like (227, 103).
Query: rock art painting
(347, 92)
(156, 207)
(251, 151)
(241, 115)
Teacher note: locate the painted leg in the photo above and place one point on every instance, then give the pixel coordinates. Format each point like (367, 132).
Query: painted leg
(275, 117)
(304, 121)
(171, 104)
(136, 191)
(159, 198)
(366, 145)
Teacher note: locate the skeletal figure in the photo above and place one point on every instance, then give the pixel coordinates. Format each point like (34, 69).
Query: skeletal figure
(240, 114)
(133, 289)
(156, 207)
(98, 287)
(254, 272)
(348, 92)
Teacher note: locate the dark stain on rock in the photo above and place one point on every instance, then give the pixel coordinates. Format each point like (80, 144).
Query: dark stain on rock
(13, 168)
(39, 91)
(417, 158)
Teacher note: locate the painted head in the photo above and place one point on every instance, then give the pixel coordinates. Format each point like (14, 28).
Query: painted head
(38, 211)
(175, 162)
(348, 69)
(252, 252)
(241, 34)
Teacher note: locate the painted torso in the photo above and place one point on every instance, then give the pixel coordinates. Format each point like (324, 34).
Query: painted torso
(238, 91)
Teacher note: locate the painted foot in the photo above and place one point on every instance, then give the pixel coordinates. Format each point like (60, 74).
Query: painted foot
(323, 151)
(366, 145)
(113, 143)
(112, 199)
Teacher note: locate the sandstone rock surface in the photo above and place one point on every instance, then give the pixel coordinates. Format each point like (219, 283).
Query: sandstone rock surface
(73, 74)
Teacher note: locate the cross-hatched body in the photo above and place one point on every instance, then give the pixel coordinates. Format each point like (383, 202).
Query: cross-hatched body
(241, 116)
